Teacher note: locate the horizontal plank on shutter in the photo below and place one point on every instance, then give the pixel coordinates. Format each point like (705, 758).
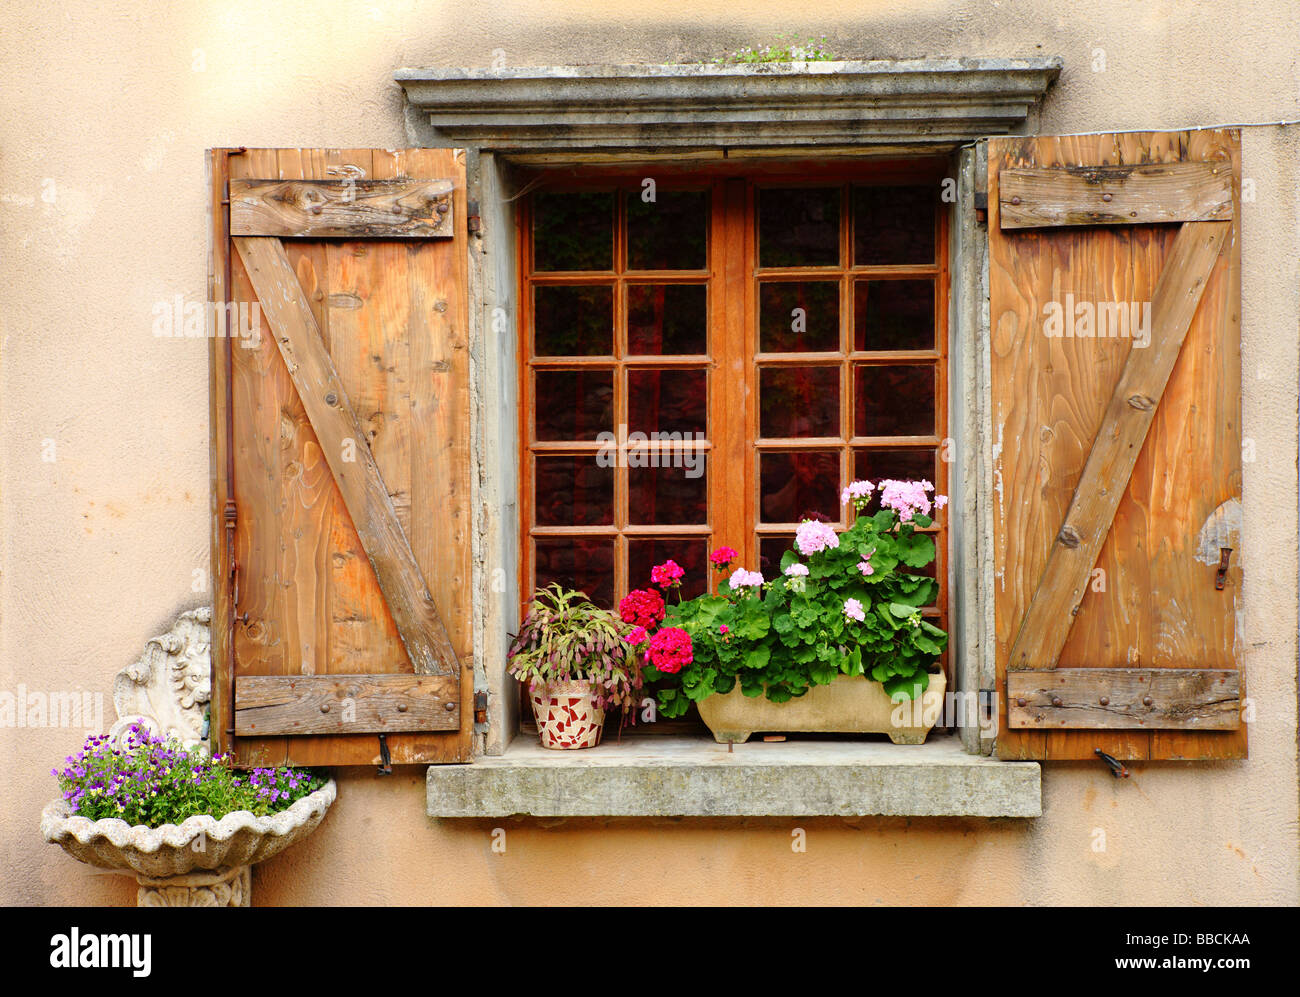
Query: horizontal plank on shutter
(343, 442)
(1115, 451)
(267, 705)
(1116, 699)
(344, 209)
(1115, 195)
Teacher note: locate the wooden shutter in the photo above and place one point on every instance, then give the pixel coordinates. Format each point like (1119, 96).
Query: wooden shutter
(340, 456)
(1117, 468)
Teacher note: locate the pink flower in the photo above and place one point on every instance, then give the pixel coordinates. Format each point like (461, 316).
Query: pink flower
(797, 571)
(637, 636)
(858, 493)
(722, 558)
(642, 607)
(812, 537)
(853, 610)
(724, 629)
(741, 578)
(667, 575)
(907, 498)
(866, 568)
(940, 501)
(670, 649)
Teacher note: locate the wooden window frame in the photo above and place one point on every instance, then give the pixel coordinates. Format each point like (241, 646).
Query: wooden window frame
(734, 280)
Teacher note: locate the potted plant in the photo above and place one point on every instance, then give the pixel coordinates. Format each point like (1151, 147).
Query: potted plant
(187, 824)
(576, 661)
(836, 642)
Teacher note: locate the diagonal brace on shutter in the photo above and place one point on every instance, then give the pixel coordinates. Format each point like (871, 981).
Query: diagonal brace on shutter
(1115, 450)
(365, 495)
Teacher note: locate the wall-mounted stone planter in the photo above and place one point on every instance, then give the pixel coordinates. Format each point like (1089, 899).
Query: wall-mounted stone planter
(204, 859)
(848, 705)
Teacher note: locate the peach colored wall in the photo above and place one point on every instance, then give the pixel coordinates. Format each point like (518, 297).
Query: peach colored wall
(106, 115)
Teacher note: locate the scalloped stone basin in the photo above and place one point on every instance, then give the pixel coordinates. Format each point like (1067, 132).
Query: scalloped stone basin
(850, 704)
(200, 843)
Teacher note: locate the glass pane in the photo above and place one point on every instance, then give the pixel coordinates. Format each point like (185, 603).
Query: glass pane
(799, 316)
(573, 231)
(896, 400)
(573, 491)
(910, 464)
(770, 550)
(799, 401)
(690, 553)
(573, 321)
(666, 401)
(893, 225)
(573, 404)
(668, 233)
(799, 227)
(583, 563)
(902, 465)
(799, 485)
(675, 493)
(893, 315)
(667, 319)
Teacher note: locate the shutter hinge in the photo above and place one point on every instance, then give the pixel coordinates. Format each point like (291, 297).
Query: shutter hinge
(473, 220)
(480, 707)
(982, 206)
(385, 759)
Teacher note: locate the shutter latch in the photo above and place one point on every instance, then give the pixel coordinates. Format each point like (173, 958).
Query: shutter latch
(386, 760)
(480, 707)
(1117, 768)
(1221, 576)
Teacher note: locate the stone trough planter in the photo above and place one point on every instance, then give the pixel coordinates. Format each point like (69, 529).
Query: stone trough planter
(854, 705)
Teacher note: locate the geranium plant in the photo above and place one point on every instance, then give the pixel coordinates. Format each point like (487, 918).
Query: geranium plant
(151, 780)
(565, 637)
(845, 603)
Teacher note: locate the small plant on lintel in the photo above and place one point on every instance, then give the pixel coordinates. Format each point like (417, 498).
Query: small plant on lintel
(786, 49)
(576, 661)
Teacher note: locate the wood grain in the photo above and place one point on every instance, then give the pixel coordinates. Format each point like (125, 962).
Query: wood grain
(345, 704)
(1125, 699)
(1115, 451)
(1151, 601)
(1115, 195)
(293, 328)
(350, 208)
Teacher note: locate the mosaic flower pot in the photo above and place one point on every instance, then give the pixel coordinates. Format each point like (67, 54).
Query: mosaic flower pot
(567, 715)
(201, 862)
(851, 705)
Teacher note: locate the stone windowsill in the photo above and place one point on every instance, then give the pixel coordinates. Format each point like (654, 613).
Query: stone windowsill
(692, 776)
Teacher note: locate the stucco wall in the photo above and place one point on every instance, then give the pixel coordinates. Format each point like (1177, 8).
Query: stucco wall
(102, 216)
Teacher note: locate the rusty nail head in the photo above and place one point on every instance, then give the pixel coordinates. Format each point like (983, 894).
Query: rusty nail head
(1105, 197)
(1147, 700)
(449, 706)
(1021, 702)
(1105, 700)
(401, 707)
(324, 707)
(442, 207)
(331, 399)
(315, 209)
(1056, 700)
(1015, 200)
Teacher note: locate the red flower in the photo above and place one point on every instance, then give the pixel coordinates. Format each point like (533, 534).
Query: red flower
(722, 557)
(667, 575)
(642, 608)
(670, 649)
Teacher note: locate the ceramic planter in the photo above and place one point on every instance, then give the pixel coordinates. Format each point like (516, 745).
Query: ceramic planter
(567, 715)
(201, 862)
(854, 705)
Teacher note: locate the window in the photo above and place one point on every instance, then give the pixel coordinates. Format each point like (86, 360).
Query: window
(709, 356)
